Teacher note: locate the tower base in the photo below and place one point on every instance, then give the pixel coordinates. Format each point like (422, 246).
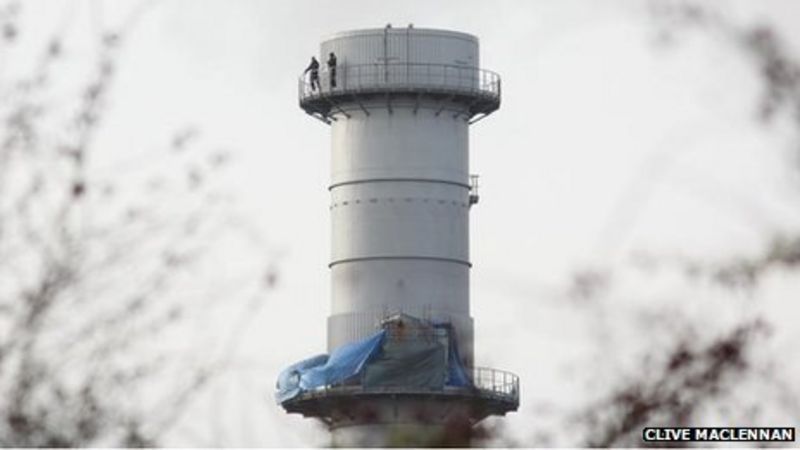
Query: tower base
(398, 435)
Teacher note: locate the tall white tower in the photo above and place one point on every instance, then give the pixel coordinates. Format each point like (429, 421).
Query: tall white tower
(399, 102)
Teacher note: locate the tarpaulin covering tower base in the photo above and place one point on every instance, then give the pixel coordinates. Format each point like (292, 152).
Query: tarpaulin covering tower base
(405, 352)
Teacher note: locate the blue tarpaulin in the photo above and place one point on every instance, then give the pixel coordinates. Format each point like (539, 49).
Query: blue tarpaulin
(289, 379)
(344, 363)
(408, 364)
(349, 361)
(456, 373)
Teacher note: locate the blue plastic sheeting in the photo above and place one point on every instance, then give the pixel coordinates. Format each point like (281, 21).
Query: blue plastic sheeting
(289, 379)
(344, 363)
(456, 373)
(351, 360)
(409, 364)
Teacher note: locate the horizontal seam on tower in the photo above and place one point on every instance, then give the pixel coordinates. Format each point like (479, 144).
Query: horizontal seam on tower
(372, 258)
(380, 180)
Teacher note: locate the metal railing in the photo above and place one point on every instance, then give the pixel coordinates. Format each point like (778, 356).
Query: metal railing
(398, 77)
(496, 382)
(488, 382)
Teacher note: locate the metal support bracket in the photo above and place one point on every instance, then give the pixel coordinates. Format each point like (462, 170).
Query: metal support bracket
(478, 118)
(442, 105)
(416, 102)
(466, 110)
(361, 105)
(335, 105)
(320, 117)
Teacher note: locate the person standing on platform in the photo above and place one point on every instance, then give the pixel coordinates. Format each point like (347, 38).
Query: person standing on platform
(332, 69)
(314, 77)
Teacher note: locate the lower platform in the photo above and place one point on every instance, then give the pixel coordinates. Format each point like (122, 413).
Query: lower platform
(403, 386)
(401, 418)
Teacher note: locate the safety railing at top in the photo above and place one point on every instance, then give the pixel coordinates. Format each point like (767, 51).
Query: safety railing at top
(496, 382)
(400, 76)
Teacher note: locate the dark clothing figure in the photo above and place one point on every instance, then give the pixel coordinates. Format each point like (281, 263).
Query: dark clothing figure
(332, 69)
(314, 77)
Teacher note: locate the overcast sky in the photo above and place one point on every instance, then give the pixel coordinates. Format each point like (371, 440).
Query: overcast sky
(605, 145)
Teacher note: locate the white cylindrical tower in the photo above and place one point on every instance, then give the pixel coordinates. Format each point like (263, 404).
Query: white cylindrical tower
(400, 102)
(400, 180)
(400, 184)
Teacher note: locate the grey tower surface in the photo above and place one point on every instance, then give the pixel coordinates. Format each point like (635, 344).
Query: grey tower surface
(399, 103)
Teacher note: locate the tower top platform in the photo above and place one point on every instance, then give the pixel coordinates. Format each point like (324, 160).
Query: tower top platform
(389, 67)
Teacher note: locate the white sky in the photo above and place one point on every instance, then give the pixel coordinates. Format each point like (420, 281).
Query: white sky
(604, 144)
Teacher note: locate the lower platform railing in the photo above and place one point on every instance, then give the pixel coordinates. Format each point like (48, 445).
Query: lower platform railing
(488, 382)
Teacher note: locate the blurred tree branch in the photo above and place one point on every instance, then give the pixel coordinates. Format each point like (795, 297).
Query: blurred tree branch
(91, 264)
(694, 373)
